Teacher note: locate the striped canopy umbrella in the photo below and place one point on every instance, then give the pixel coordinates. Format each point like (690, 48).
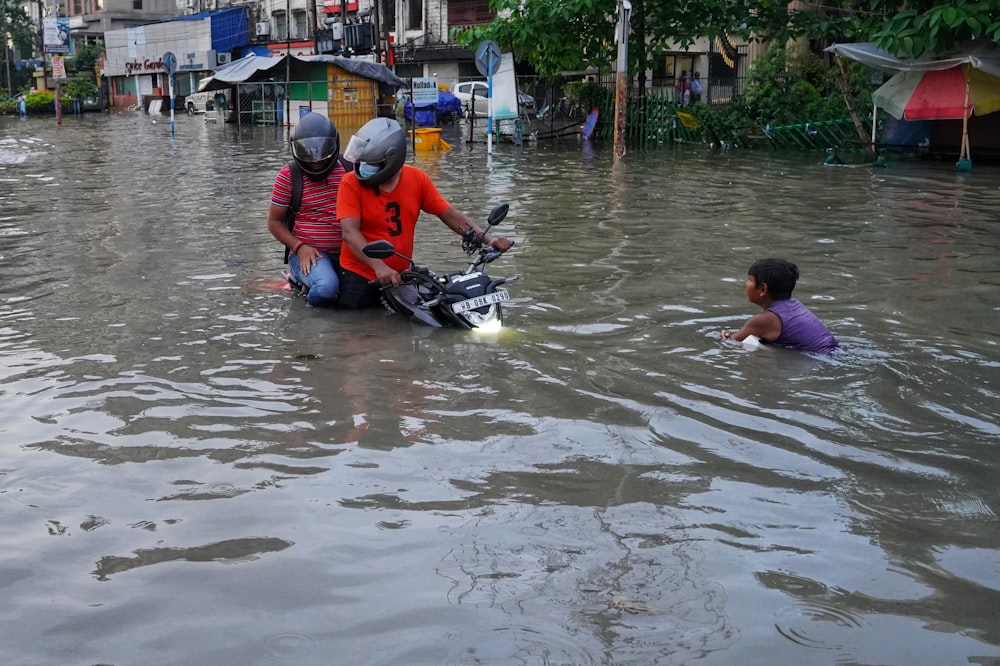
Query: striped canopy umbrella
(939, 94)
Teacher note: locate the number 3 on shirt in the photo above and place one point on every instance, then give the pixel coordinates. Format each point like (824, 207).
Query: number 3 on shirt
(392, 219)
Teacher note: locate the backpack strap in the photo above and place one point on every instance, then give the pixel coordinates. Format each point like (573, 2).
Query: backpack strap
(295, 173)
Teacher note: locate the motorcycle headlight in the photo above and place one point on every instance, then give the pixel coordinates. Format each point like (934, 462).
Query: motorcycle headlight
(490, 321)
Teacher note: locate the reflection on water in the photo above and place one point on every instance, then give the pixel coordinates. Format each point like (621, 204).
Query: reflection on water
(197, 468)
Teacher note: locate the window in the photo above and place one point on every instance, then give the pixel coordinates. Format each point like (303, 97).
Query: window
(469, 12)
(299, 29)
(280, 24)
(137, 4)
(415, 20)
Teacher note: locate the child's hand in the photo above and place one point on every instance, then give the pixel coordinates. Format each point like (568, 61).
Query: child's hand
(725, 335)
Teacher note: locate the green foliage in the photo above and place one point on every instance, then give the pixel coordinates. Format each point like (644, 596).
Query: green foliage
(86, 57)
(564, 35)
(783, 90)
(20, 79)
(44, 102)
(553, 36)
(15, 24)
(81, 87)
(908, 28)
(40, 103)
(931, 27)
(587, 95)
(786, 88)
(721, 126)
(826, 22)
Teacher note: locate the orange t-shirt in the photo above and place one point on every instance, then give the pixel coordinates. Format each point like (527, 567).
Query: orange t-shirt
(390, 216)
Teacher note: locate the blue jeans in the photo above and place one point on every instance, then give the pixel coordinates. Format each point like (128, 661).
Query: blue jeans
(323, 280)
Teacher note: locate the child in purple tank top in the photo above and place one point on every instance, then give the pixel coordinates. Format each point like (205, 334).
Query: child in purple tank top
(785, 321)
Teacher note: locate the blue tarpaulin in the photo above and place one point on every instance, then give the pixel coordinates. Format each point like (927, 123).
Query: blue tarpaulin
(448, 107)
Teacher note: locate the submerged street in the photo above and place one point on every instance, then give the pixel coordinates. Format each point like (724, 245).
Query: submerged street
(195, 467)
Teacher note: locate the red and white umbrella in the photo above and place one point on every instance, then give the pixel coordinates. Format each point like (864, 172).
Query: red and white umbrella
(939, 94)
(954, 93)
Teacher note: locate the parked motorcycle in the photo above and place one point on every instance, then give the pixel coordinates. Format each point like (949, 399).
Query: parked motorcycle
(466, 299)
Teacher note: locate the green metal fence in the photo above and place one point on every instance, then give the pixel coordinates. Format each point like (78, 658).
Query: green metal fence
(655, 120)
(840, 133)
(651, 120)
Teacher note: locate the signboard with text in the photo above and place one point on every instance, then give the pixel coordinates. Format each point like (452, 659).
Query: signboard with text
(55, 34)
(58, 67)
(425, 91)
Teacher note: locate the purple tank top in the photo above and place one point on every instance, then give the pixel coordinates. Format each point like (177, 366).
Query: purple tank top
(800, 328)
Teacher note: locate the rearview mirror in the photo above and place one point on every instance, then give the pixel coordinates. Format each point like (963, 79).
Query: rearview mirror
(497, 214)
(380, 249)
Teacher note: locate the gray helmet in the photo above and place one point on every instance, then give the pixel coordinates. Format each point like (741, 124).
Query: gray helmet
(315, 145)
(378, 151)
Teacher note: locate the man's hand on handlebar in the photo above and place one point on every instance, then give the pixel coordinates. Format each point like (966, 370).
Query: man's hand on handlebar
(500, 243)
(385, 276)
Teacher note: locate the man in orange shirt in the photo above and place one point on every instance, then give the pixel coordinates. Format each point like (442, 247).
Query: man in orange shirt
(381, 200)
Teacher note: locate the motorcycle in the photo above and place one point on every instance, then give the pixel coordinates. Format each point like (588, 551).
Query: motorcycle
(465, 299)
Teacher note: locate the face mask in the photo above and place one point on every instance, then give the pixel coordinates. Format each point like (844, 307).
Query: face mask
(367, 170)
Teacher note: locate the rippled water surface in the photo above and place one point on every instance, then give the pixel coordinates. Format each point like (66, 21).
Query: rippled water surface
(196, 468)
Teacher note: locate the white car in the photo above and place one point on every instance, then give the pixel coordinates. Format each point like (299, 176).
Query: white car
(464, 90)
(200, 102)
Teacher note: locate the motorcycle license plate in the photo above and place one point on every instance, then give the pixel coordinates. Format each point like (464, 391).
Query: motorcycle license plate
(480, 301)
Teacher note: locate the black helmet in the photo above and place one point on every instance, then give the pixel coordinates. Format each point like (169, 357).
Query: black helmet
(378, 151)
(315, 145)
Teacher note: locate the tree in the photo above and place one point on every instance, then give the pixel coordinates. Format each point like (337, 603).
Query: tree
(553, 36)
(905, 28)
(931, 27)
(16, 30)
(85, 58)
(561, 35)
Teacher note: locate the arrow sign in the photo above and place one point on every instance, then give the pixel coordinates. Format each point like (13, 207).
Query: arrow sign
(169, 63)
(488, 57)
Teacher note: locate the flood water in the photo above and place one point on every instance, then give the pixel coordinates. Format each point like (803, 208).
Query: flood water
(197, 468)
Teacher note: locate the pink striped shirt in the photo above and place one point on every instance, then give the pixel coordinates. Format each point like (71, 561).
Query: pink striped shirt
(316, 222)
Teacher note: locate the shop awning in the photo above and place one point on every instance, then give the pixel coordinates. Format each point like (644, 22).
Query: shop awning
(254, 68)
(981, 56)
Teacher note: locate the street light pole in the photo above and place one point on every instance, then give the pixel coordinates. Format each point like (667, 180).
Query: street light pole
(621, 78)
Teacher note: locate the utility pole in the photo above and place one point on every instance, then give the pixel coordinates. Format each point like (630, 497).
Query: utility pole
(288, 61)
(55, 17)
(313, 21)
(6, 40)
(378, 30)
(621, 78)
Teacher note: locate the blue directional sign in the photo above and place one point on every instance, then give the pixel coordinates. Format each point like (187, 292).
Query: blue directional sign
(488, 57)
(169, 63)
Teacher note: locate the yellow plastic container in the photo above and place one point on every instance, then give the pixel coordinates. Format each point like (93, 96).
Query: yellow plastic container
(428, 138)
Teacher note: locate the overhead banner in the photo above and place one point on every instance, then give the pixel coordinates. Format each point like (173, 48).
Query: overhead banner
(55, 34)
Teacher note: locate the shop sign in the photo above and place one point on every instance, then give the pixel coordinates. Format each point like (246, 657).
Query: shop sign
(147, 65)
